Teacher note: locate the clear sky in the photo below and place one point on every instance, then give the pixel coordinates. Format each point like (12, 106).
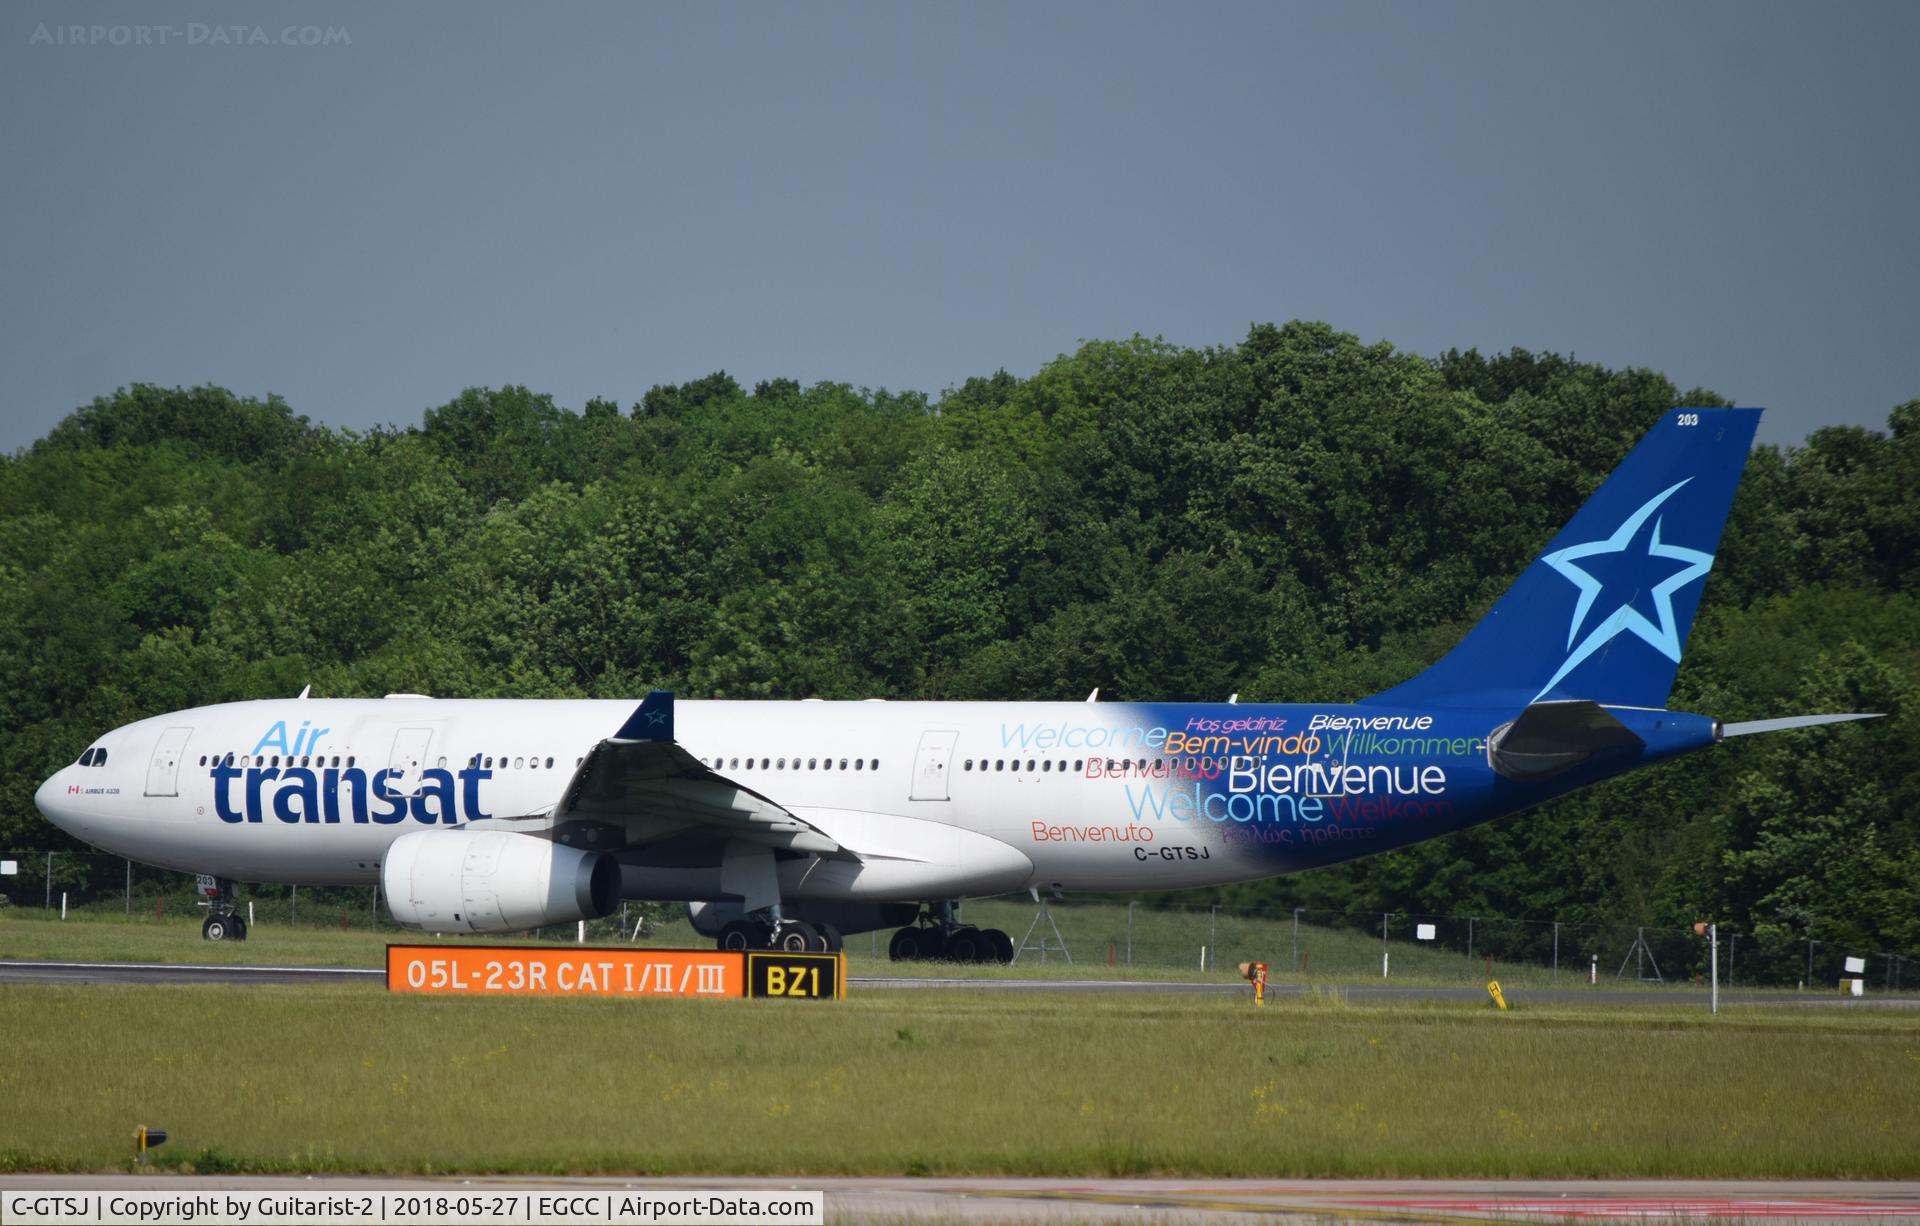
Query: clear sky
(592, 199)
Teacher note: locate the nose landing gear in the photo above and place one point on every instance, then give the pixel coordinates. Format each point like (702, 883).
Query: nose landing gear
(223, 922)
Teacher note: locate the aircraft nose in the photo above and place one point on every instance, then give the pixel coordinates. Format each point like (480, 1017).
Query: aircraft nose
(48, 799)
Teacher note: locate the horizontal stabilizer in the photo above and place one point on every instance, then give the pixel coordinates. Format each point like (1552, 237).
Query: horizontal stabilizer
(1550, 737)
(1792, 721)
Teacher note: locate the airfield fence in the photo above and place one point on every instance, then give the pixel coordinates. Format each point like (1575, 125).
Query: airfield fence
(1306, 943)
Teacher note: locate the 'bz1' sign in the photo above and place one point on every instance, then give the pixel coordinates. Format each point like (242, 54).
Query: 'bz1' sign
(805, 976)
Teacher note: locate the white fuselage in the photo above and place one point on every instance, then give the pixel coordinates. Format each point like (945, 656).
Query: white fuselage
(936, 798)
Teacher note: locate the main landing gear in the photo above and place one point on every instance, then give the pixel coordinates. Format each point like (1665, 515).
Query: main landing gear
(223, 922)
(787, 936)
(938, 937)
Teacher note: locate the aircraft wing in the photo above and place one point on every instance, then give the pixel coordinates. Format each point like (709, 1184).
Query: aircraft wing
(639, 786)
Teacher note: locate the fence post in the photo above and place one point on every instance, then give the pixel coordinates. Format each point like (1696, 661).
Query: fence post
(1384, 917)
(1713, 968)
(1130, 907)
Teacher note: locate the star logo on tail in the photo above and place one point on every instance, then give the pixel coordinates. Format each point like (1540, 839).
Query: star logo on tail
(1632, 566)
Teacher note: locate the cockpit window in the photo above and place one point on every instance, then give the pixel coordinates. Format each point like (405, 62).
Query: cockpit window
(85, 759)
(100, 757)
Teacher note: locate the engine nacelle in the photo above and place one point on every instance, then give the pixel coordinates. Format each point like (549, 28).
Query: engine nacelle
(469, 880)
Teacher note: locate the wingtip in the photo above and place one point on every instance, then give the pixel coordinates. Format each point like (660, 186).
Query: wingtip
(652, 720)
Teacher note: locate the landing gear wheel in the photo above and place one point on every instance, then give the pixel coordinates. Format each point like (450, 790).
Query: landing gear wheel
(916, 945)
(799, 937)
(1002, 946)
(217, 928)
(743, 934)
(239, 928)
(830, 940)
(968, 945)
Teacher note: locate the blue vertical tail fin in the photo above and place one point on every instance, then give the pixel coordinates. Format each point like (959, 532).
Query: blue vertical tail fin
(1603, 612)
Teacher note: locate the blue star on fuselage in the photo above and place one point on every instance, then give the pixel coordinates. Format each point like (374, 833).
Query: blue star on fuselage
(1625, 567)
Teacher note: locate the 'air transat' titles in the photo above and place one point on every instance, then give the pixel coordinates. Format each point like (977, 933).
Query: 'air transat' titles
(334, 795)
(331, 795)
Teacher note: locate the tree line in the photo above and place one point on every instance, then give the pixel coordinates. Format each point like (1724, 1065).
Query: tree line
(1297, 516)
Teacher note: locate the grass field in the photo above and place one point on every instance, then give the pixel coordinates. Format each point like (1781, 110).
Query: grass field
(1167, 946)
(347, 1078)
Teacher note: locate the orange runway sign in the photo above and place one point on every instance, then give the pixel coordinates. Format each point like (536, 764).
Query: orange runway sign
(523, 970)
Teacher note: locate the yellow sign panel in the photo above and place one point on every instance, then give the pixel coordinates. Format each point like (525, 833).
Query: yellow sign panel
(1493, 990)
(796, 976)
(523, 970)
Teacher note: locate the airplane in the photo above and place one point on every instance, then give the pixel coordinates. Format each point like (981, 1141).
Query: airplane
(790, 825)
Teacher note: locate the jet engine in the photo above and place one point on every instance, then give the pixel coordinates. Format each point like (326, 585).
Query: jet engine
(469, 880)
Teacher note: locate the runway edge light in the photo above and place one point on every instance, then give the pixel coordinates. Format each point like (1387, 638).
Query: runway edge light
(1256, 974)
(145, 1138)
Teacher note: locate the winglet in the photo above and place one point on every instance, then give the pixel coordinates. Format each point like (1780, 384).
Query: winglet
(652, 720)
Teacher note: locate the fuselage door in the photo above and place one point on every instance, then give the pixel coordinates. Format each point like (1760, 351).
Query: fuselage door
(931, 764)
(408, 760)
(163, 773)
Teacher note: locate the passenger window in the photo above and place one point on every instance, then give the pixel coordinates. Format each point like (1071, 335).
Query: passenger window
(1029, 763)
(812, 763)
(489, 761)
(873, 765)
(999, 764)
(518, 763)
(1079, 764)
(858, 763)
(1046, 764)
(843, 764)
(968, 765)
(780, 764)
(549, 763)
